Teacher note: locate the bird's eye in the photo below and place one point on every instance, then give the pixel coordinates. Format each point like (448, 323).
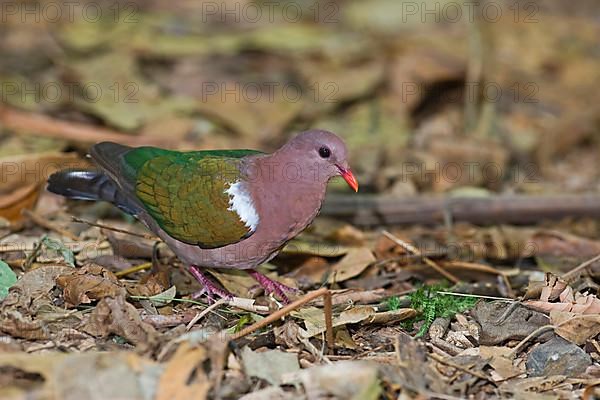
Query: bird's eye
(324, 152)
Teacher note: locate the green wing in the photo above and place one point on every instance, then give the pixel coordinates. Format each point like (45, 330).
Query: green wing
(185, 192)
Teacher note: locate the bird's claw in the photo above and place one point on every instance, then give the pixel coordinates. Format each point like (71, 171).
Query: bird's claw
(209, 288)
(272, 286)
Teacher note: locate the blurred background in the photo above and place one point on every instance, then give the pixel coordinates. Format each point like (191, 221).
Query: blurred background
(431, 96)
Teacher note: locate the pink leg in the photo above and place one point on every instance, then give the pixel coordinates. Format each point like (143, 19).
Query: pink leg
(272, 286)
(208, 286)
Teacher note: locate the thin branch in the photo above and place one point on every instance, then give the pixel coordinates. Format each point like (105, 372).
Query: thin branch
(460, 367)
(44, 223)
(412, 249)
(567, 276)
(285, 311)
(111, 228)
(202, 313)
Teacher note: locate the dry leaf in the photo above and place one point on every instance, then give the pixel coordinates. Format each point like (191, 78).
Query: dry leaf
(269, 365)
(150, 285)
(498, 358)
(11, 204)
(91, 282)
(353, 264)
(184, 377)
(390, 317)
(93, 375)
(115, 315)
(315, 321)
(575, 328)
(576, 303)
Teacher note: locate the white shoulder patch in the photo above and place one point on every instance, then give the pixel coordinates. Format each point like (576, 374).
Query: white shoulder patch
(241, 202)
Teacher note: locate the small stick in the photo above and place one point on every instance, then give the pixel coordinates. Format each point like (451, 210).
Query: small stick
(44, 223)
(131, 270)
(412, 249)
(542, 329)
(571, 274)
(328, 321)
(474, 295)
(285, 311)
(111, 228)
(459, 367)
(204, 312)
(36, 252)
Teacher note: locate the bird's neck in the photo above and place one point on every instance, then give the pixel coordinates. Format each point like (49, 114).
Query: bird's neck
(286, 192)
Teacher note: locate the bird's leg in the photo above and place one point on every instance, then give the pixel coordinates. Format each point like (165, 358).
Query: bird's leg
(272, 286)
(208, 286)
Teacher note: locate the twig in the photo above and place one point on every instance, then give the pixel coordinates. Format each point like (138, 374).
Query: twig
(202, 313)
(567, 276)
(475, 295)
(36, 252)
(328, 321)
(162, 321)
(111, 228)
(412, 249)
(134, 269)
(460, 367)
(507, 312)
(536, 333)
(285, 311)
(44, 223)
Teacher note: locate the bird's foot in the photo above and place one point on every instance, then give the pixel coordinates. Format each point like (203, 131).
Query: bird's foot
(272, 286)
(208, 286)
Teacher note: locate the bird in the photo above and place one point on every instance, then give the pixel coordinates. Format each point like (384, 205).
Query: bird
(230, 209)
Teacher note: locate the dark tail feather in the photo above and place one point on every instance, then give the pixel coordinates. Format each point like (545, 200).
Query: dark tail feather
(90, 185)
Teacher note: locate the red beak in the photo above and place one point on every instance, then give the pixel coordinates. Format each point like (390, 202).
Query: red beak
(349, 178)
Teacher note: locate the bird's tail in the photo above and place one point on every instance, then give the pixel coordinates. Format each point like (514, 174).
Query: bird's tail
(90, 185)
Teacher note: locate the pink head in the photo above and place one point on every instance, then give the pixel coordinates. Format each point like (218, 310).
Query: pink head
(323, 152)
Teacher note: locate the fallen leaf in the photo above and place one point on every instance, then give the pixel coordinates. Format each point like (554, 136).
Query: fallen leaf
(22, 198)
(7, 279)
(575, 328)
(32, 290)
(390, 317)
(499, 358)
(91, 282)
(151, 284)
(314, 318)
(353, 380)
(117, 316)
(353, 263)
(57, 245)
(569, 301)
(269, 365)
(16, 324)
(93, 375)
(184, 377)
(164, 298)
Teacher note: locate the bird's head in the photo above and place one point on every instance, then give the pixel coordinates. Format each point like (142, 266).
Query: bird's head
(324, 153)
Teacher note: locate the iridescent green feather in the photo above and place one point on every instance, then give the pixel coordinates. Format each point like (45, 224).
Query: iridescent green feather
(185, 192)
